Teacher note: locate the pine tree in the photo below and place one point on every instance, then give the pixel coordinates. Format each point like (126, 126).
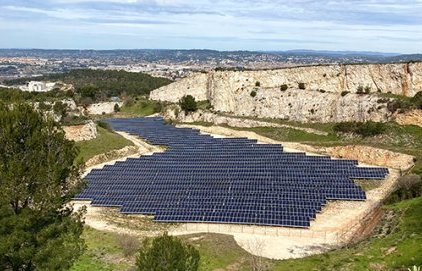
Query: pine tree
(38, 177)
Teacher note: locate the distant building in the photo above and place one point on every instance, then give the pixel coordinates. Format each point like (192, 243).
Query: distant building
(35, 86)
(38, 86)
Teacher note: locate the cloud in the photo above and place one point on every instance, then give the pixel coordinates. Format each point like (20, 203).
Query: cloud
(218, 24)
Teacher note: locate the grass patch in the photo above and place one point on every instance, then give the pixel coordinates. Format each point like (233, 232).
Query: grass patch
(105, 141)
(396, 251)
(102, 252)
(141, 107)
(218, 251)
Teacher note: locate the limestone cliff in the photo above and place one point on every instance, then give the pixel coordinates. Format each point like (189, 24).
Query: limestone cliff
(321, 101)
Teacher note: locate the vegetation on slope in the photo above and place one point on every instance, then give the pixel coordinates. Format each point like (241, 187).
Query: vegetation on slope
(140, 106)
(400, 249)
(106, 141)
(98, 85)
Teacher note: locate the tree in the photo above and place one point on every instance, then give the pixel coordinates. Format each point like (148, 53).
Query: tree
(188, 103)
(38, 177)
(116, 108)
(302, 86)
(165, 253)
(60, 109)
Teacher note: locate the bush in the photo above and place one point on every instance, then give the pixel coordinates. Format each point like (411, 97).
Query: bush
(399, 105)
(284, 87)
(253, 93)
(116, 108)
(344, 93)
(408, 187)
(359, 90)
(257, 84)
(128, 244)
(365, 129)
(367, 89)
(44, 106)
(417, 100)
(165, 253)
(60, 109)
(188, 103)
(302, 86)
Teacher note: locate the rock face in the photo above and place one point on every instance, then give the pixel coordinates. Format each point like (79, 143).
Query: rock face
(321, 101)
(102, 108)
(83, 132)
(203, 116)
(413, 117)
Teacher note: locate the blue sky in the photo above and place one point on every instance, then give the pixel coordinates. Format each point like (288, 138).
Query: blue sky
(371, 25)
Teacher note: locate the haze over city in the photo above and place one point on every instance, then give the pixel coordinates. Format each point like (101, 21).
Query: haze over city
(378, 25)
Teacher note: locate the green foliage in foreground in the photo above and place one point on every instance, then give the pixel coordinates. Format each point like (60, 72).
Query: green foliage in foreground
(398, 250)
(106, 141)
(38, 178)
(165, 253)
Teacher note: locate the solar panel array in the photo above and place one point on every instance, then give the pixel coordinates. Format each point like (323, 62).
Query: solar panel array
(200, 178)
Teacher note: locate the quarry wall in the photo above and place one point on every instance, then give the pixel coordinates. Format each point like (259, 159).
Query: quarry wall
(324, 98)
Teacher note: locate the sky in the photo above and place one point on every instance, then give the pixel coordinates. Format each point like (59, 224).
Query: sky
(356, 25)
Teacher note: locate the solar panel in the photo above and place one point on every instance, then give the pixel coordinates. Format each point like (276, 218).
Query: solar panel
(200, 178)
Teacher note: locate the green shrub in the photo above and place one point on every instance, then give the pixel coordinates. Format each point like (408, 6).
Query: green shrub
(253, 93)
(257, 84)
(359, 90)
(116, 108)
(367, 89)
(129, 244)
(165, 253)
(284, 87)
(188, 103)
(408, 187)
(365, 129)
(417, 100)
(302, 86)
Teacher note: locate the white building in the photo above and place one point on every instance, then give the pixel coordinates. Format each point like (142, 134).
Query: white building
(35, 86)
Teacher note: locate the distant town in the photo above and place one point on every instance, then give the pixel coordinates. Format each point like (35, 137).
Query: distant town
(172, 64)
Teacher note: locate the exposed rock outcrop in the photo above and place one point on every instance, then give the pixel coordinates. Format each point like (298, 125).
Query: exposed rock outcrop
(102, 108)
(82, 132)
(203, 116)
(321, 101)
(413, 117)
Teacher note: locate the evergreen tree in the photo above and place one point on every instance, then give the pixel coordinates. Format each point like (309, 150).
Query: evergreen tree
(38, 177)
(188, 103)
